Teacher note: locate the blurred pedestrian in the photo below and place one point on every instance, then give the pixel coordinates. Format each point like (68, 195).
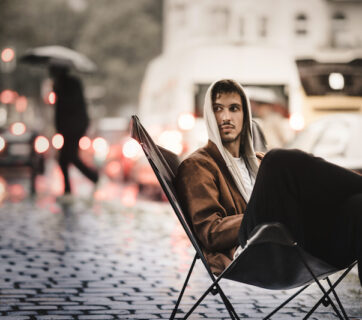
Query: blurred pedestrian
(71, 120)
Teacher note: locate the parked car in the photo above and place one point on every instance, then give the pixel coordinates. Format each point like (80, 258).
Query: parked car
(21, 146)
(336, 138)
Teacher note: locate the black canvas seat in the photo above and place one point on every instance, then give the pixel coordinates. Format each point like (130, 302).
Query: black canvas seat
(271, 259)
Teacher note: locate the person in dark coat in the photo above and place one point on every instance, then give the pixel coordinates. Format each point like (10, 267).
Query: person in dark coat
(71, 120)
(228, 190)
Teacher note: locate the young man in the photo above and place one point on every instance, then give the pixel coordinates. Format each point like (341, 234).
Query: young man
(226, 194)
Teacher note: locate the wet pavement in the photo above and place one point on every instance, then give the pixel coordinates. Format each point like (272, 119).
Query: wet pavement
(103, 258)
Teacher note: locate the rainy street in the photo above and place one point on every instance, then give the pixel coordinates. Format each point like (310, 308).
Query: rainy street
(109, 108)
(109, 258)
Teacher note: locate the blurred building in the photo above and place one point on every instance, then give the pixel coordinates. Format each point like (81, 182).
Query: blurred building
(301, 27)
(322, 36)
(300, 59)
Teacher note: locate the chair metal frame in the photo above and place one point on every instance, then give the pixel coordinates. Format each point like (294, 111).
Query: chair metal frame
(140, 134)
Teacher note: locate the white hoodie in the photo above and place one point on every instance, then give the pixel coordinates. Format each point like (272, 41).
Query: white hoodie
(249, 156)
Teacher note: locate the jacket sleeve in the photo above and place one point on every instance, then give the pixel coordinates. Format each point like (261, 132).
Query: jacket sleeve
(198, 191)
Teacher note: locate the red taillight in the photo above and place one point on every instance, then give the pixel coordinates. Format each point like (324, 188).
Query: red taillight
(8, 96)
(58, 141)
(84, 143)
(21, 104)
(41, 144)
(17, 128)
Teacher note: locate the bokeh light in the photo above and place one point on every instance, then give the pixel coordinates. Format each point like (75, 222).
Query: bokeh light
(85, 143)
(8, 96)
(2, 143)
(52, 97)
(21, 104)
(186, 121)
(296, 121)
(57, 141)
(131, 148)
(41, 144)
(18, 128)
(171, 140)
(7, 54)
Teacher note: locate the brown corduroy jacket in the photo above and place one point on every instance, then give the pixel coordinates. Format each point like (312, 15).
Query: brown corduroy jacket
(208, 194)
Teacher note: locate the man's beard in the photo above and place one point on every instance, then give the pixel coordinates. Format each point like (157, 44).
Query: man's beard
(226, 139)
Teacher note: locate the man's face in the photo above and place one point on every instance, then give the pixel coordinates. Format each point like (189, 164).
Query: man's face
(229, 116)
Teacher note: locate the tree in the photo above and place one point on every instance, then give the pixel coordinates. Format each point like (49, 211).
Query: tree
(121, 36)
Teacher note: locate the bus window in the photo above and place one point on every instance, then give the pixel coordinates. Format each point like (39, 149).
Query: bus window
(316, 76)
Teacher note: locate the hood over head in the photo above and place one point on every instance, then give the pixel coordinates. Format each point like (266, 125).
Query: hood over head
(246, 149)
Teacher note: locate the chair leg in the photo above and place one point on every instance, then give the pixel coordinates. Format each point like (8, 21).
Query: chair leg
(198, 302)
(228, 304)
(285, 302)
(183, 288)
(325, 294)
(337, 299)
(329, 291)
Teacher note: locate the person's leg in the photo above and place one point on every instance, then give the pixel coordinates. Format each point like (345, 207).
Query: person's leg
(90, 173)
(303, 192)
(64, 160)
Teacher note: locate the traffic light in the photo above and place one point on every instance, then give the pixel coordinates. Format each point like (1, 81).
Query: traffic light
(8, 60)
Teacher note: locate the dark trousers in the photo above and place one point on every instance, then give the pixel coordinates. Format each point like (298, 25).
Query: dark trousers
(69, 154)
(320, 203)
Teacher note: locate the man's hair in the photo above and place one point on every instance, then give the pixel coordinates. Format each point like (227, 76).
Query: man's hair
(227, 86)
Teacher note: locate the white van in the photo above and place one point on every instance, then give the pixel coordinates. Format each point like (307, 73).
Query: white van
(174, 86)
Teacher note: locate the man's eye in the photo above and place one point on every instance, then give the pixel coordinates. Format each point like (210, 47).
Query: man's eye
(217, 108)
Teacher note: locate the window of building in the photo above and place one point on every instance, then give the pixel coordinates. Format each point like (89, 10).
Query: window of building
(339, 21)
(219, 21)
(301, 24)
(263, 27)
(242, 27)
(179, 14)
(339, 32)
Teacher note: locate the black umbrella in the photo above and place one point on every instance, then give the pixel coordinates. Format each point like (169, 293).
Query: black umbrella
(58, 56)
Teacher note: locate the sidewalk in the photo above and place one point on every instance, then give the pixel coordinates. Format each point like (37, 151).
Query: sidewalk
(112, 262)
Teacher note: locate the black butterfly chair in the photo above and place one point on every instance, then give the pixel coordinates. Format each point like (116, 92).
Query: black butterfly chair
(270, 260)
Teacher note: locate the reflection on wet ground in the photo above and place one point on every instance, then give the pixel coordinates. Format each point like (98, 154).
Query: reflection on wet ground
(109, 256)
(15, 187)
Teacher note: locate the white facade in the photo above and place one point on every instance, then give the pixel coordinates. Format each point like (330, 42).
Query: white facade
(300, 27)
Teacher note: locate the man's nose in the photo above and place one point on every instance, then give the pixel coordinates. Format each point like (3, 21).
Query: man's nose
(225, 116)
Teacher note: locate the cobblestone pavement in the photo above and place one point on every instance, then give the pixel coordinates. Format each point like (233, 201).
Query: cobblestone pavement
(107, 261)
